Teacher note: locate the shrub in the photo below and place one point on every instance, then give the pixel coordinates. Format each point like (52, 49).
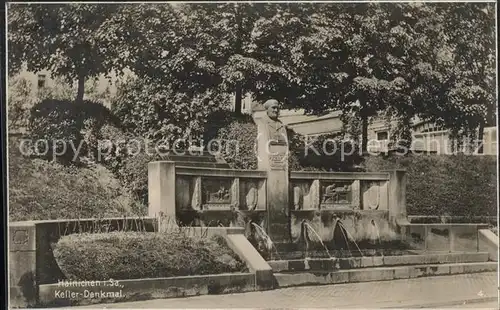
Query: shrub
(242, 131)
(494, 229)
(134, 255)
(19, 103)
(457, 185)
(326, 152)
(72, 122)
(155, 112)
(40, 190)
(134, 174)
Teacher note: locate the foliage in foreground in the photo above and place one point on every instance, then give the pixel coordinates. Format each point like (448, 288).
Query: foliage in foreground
(456, 185)
(135, 255)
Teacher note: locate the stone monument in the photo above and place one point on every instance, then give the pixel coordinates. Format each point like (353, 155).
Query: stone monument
(272, 156)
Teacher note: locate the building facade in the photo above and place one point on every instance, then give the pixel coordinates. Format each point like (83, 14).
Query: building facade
(426, 136)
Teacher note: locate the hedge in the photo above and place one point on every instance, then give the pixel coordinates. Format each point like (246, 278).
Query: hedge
(75, 122)
(135, 255)
(455, 185)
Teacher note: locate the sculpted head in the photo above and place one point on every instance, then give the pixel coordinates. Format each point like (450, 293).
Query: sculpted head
(272, 107)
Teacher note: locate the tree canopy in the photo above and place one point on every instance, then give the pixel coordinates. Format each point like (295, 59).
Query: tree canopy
(433, 60)
(73, 41)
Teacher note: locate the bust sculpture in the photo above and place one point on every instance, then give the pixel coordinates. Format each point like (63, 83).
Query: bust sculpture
(277, 132)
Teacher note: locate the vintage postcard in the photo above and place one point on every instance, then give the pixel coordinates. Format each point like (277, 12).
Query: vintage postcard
(257, 154)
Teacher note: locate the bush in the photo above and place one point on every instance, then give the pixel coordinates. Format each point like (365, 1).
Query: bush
(457, 185)
(135, 255)
(134, 174)
(243, 130)
(326, 152)
(155, 112)
(19, 103)
(41, 190)
(72, 122)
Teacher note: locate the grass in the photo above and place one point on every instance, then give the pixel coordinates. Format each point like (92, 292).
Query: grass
(42, 190)
(134, 255)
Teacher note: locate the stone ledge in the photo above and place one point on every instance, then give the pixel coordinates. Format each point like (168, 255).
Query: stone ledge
(376, 261)
(379, 274)
(244, 249)
(457, 303)
(146, 289)
(488, 242)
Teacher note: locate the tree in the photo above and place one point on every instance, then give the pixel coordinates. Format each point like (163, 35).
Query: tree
(473, 41)
(205, 47)
(450, 72)
(405, 59)
(73, 41)
(343, 57)
(154, 111)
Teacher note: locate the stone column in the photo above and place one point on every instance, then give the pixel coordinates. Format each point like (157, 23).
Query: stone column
(22, 264)
(397, 199)
(273, 158)
(161, 190)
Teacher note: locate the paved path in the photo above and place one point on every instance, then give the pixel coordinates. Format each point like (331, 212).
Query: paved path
(458, 291)
(476, 305)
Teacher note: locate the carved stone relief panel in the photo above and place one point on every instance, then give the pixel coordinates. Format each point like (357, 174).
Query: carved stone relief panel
(371, 195)
(305, 195)
(183, 192)
(336, 194)
(252, 194)
(216, 193)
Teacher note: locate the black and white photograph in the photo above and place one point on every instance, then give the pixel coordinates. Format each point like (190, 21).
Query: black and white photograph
(251, 154)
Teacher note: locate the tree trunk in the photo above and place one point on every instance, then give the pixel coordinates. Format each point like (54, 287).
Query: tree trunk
(480, 148)
(81, 88)
(238, 50)
(364, 134)
(237, 100)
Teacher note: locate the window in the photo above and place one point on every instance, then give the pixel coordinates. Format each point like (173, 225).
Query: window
(433, 128)
(41, 80)
(382, 135)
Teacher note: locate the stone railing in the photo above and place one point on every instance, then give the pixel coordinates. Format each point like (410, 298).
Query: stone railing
(369, 205)
(340, 191)
(204, 196)
(34, 273)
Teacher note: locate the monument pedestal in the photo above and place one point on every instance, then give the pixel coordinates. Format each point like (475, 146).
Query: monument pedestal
(272, 152)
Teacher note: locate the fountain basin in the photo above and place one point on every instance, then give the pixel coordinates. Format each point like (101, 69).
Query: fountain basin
(416, 258)
(213, 218)
(360, 224)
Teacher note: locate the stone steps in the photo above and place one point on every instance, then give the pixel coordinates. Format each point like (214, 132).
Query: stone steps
(302, 278)
(326, 264)
(196, 159)
(202, 164)
(191, 158)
